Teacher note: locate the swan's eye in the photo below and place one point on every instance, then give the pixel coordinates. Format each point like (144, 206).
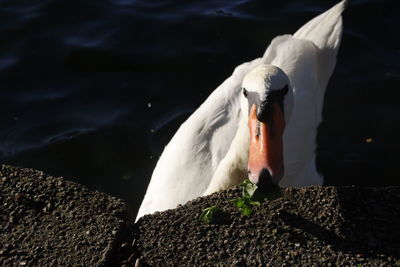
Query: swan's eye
(245, 92)
(285, 90)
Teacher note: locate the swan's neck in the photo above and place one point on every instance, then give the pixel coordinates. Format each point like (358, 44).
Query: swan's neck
(232, 170)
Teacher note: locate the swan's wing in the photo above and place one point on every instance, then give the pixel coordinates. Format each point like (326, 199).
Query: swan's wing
(325, 30)
(188, 162)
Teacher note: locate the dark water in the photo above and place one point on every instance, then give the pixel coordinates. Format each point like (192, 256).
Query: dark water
(93, 90)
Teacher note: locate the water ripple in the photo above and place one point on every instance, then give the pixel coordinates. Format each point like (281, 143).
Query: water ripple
(7, 62)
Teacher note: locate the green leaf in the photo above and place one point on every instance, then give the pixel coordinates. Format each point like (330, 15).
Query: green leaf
(254, 203)
(246, 211)
(244, 183)
(208, 213)
(248, 188)
(239, 202)
(246, 201)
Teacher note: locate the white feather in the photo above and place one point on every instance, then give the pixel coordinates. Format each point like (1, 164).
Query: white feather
(209, 151)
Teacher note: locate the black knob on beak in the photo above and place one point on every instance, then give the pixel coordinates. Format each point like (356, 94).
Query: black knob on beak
(265, 182)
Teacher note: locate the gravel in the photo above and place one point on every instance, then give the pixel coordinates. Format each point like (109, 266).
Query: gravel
(314, 226)
(48, 221)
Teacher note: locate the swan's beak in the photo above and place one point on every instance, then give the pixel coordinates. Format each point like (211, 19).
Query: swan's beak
(265, 164)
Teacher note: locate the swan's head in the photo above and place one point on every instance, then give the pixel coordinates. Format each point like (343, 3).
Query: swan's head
(267, 102)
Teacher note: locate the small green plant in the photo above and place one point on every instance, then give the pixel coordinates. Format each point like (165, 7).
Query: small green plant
(250, 197)
(246, 201)
(208, 214)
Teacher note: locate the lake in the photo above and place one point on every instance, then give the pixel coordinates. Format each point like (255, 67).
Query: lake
(93, 90)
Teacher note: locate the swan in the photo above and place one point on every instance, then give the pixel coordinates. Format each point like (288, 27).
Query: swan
(260, 123)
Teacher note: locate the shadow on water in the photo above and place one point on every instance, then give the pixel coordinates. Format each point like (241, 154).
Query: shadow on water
(368, 223)
(113, 155)
(117, 160)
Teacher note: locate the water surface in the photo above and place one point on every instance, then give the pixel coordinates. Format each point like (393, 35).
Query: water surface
(93, 90)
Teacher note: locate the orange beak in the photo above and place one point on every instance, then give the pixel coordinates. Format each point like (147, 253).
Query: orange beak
(266, 147)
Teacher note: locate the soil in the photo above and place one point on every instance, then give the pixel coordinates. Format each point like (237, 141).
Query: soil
(48, 221)
(314, 226)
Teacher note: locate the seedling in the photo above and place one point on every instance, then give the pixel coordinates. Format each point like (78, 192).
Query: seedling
(208, 214)
(251, 196)
(246, 201)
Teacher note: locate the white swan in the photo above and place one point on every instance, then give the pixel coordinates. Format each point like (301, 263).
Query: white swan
(249, 126)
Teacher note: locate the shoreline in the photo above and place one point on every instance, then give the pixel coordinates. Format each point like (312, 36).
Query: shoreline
(48, 220)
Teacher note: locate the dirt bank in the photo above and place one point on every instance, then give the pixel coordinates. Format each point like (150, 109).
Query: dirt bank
(48, 221)
(329, 226)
